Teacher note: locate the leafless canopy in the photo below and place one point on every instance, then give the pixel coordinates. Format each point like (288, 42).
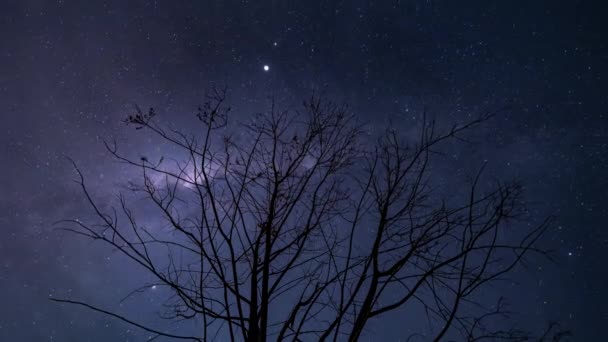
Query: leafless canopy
(291, 226)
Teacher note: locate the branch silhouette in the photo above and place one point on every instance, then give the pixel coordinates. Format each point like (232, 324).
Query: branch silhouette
(294, 226)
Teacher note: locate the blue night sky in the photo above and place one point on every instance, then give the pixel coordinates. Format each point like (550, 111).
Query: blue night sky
(71, 70)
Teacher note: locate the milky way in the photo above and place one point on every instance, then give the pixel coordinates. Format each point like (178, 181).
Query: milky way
(70, 72)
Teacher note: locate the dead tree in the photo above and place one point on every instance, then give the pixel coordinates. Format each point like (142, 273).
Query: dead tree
(291, 227)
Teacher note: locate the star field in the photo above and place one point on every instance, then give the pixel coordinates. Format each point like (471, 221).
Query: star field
(70, 71)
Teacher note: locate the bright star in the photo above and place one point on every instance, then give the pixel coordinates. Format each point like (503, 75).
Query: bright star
(266, 67)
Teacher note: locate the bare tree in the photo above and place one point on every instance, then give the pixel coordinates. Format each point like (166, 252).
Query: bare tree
(291, 227)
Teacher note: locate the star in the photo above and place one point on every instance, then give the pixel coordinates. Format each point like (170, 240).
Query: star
(266, 67)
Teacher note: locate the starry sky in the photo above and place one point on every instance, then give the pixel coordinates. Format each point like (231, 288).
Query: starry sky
(71, 70)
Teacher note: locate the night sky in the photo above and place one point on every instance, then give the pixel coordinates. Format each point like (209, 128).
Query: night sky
(71, 70)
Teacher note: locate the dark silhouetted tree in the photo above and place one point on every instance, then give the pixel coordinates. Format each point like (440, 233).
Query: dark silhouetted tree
(293, 226)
